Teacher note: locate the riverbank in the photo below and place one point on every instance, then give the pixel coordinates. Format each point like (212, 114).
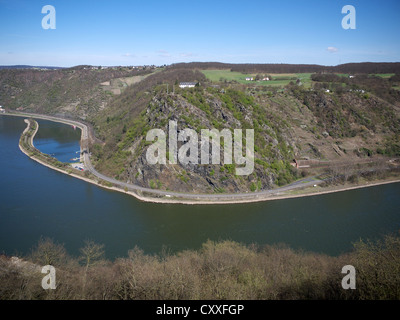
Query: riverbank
(309, 188)
(308, 192)
(32, 156)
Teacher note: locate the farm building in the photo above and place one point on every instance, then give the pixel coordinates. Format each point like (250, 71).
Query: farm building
(187, 84)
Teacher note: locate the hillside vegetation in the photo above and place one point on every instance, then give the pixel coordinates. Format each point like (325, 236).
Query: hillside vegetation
(222, 270)
(78, 92)
(311, 114)
(355, 120)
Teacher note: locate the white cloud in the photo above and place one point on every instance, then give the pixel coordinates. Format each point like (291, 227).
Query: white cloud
(186, 55)
(163, 54)
(332, 49)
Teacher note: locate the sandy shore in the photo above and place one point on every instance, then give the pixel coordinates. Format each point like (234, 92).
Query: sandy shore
(308, 192)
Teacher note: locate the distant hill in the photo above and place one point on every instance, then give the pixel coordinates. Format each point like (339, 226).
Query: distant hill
(29, 67)
(364, 67)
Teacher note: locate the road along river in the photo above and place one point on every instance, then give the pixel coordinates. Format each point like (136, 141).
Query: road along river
(161, 196)
(36, 201)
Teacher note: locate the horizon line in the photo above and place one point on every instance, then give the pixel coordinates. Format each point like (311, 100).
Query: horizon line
(193, 62)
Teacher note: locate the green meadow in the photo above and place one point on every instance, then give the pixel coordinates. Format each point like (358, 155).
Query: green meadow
(278, 80)
(384, 75)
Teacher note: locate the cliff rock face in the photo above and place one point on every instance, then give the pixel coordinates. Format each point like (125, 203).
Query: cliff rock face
(205, 178)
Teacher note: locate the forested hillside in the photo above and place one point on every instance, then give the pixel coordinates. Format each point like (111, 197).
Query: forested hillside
(321, 116)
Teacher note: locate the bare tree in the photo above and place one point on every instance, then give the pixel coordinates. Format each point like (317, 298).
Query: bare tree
(92, 253)
(49, 253)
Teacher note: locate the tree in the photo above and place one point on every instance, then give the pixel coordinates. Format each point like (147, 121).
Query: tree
(49, 253)
(92, 253)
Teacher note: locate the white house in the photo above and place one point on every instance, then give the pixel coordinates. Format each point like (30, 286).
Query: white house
(187, 84)
(249, 79)
(2, 110)
(266, 79)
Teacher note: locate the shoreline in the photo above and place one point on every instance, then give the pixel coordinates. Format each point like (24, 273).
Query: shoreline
(273, 198)
(172, 200)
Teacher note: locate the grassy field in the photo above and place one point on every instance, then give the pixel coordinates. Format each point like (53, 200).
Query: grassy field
(222, 75)
(383, 75)
(278, 79)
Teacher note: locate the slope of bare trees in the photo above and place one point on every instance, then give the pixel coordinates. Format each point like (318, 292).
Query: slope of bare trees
(223, 270)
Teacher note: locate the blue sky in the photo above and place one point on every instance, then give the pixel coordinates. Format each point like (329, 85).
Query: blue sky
(164, 32)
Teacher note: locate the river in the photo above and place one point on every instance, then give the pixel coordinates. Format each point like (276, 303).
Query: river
(36, 201)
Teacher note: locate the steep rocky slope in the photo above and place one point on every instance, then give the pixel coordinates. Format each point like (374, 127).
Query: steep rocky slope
(336, 118)
(295, 123)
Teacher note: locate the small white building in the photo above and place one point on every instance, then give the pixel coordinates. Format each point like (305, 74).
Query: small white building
(187, 84)
(249, 79)
(2, 110)
(266, 79)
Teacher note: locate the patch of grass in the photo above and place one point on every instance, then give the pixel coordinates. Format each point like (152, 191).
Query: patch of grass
(383, 75)
(155, 184)
(219, 190)
(278, 80)
(183, 176)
